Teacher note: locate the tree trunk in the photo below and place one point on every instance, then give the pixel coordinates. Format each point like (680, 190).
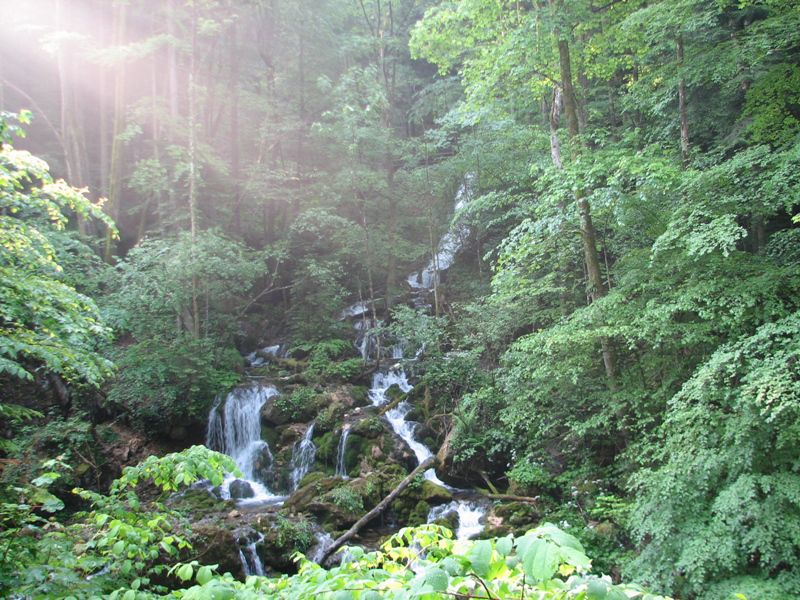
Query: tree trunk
(682, 104)
(381, 506)
(594, 275)
(115, 169)
(193, 170)
(235, 166)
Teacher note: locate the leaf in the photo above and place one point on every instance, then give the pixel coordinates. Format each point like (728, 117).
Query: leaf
(540, 559)
(437, 579)
(504, 545)
(480, 556)
(185, 572)
(204, 575)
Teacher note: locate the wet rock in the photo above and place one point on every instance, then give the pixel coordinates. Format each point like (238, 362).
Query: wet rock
(241, 489)
(434, 493)
(218, 545)
(234, 514)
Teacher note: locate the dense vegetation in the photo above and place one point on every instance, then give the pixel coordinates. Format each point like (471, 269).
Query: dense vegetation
(619, 337)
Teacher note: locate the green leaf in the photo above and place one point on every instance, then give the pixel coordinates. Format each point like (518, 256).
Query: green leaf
(540, 559)
(480, 556)
(437, 579)
(504, 545)
(204, 575)
(185, 572)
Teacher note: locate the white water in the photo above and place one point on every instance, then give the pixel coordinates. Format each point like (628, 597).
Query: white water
(450, 244)
(303, 455)
(235, 429)
(470, 515)
(341, 468)
(381, 382)
(256, 359)
(251, 562)
(367, 340)
(324, 541)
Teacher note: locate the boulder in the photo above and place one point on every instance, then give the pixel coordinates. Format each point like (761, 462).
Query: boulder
(433, 493)
(241, 489)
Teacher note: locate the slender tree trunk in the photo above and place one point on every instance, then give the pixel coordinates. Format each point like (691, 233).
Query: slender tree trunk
(595, 284)
(682, 104)
(235, 166)
(115, 170)
(174, 99)
(193, 170)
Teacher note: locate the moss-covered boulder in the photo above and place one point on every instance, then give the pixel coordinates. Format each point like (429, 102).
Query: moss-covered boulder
(512, 517)
(283, 535)
(433, 493)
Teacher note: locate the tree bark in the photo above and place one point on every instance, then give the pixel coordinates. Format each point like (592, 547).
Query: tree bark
(115, 168)
(381, 506)
(684, 117)
(193, 170)
(594, 275)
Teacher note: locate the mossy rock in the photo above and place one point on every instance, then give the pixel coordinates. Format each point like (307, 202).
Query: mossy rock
(434, 493)
(300, 500)
(312, 477)
(197, 502)
(371, 427)
(216, 543)
(514, 517)
(328, 448)
(449, 520)
(285, 535)
(395, 393)
(360, 395)
(419, 514)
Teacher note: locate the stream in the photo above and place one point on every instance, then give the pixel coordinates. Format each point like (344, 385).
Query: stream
(234, 424)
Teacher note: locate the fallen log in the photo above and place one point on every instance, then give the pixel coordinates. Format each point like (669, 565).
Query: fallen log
(379, 508)
(512, 498)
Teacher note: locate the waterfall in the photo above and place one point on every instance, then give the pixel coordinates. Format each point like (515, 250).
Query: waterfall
(256, 359)
(341, 468)
(470, 515)
(303, 454)
(324, 541)
(381, 382)
(248, 555)
(450, 244)
(235, 429)
(367, 343)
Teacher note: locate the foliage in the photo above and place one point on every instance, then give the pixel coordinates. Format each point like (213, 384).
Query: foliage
(347, 499)
(427, 563)
(330, 359)
(295, 404)
(46, 323)
(167, 382)
(121, 541)
(724, 501)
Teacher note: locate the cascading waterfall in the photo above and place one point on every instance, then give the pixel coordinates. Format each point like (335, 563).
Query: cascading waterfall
(450, 244)
(381, 382)
(470, 515)
(324, 540)
(248, 555)
(235, 429)
(303, 454)
(341, 468)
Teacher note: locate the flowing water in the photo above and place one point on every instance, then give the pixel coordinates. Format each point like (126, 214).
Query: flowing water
(341, 468)
(303, 455)
(248, 555)
(234, 428)
(470, 516)
(450, 244)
